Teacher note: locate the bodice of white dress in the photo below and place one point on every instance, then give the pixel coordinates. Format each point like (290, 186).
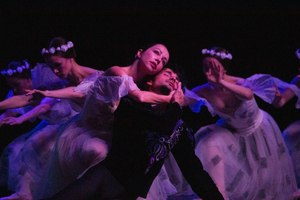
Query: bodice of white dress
(246, 118)
(262, 85)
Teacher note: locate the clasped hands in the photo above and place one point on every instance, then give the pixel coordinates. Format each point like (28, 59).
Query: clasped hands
(216, 71)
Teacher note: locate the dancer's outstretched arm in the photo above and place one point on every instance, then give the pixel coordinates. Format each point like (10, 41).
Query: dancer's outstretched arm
(16, 102)
(35, 112)
(65, 93)
(139, 95)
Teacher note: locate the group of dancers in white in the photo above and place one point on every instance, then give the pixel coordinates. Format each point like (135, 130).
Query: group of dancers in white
(245, 152)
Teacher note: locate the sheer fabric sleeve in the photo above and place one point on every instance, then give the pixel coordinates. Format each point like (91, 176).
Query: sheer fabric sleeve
(59, 111)
(112, 88)
(85, 85)
(263, 85)
(196, 107)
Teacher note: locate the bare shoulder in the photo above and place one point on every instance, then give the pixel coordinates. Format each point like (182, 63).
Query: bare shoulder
(115, 71)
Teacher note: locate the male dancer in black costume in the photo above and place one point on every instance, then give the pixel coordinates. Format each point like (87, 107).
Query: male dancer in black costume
(143, 136)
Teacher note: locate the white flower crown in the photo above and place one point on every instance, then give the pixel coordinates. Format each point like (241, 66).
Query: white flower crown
(221, 55)
(19, 69)
(297, 53)
(63, 48)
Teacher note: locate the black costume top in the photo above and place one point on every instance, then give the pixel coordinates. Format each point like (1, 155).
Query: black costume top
(142, 138)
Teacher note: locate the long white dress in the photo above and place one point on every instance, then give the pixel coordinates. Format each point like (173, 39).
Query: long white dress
(25, 157)
(245, 154)
(31, 161)
(32, 157)
(85, 139)
(42, 77)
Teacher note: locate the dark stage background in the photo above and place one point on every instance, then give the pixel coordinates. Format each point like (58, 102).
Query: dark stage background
(262, 36)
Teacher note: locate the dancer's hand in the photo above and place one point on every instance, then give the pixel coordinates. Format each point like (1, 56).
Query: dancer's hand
(34, 91)
(296, 80)
(170, 96)
(277, 97)
(178, 95)
(12, 120)
(37, 94)
(277, 92)
(215, 71)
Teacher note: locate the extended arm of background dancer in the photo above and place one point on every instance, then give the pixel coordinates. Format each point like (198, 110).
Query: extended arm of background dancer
(35, 112)
(282, 98)
(65, 93)
(16, 102)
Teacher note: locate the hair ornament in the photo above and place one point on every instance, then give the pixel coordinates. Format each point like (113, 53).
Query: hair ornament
(297, 53)
(221, 55)
(63, 48)
(19, 69)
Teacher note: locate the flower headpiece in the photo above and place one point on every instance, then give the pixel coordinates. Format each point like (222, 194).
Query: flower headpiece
(221, 55)
(297, 53)
(19, 69)
(63, 48)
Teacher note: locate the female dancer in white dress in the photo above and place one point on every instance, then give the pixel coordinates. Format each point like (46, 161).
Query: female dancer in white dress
(244, 152)
(84, 140)
(20, 77)
(18, 81)
(35, 152)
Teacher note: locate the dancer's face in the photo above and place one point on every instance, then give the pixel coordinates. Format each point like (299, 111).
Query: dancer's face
(60, 66)
(153, 59)
(164, 82)
(19, 85)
